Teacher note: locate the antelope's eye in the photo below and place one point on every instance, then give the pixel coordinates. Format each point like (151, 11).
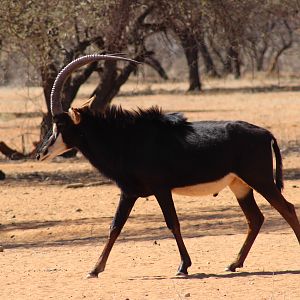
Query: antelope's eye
(58, 127)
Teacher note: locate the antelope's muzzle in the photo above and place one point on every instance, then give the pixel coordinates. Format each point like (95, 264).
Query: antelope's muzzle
(52, 146)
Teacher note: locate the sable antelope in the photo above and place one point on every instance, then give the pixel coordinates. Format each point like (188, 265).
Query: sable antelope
(147, 152)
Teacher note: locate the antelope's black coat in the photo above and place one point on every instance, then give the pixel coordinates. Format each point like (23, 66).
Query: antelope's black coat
(146, 151)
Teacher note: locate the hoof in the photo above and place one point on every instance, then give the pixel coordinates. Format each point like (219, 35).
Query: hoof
(181, 274)
(91, 275)
(229, 269)
(232, 268)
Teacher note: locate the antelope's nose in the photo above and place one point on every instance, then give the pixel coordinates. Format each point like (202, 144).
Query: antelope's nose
(38, 156)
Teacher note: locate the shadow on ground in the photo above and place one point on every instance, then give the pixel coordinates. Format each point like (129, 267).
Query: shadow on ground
(218, 276)
(205, 221)
(196, 222)
(89, 177)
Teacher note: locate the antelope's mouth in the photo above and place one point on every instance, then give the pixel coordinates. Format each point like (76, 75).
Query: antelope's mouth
(42, 157)
(52, 146)
(53, 151)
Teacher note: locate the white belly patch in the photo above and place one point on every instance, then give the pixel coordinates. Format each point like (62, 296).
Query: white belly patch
(208, 188)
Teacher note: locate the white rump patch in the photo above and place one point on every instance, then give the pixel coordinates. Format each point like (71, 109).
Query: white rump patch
(210, 188)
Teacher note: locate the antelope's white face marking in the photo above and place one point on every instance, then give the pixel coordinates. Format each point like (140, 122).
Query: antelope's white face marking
(239, 188)
(53, 147)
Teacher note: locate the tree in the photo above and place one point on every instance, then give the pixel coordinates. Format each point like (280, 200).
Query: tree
(181, 17)
(50, 34)
(137, 30)
(231, 18)
(259, 30)
(271, 32)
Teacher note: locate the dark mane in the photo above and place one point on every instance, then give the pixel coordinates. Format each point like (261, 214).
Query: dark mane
(114, 115)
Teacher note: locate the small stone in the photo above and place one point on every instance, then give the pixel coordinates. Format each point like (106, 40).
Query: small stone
(187, 295)
(78, 210)
(1, 248)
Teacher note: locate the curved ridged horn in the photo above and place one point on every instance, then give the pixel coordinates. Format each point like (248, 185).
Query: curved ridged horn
(55, 102)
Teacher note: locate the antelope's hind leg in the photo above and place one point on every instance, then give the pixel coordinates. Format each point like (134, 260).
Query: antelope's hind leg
(287, 210)
(255, 219)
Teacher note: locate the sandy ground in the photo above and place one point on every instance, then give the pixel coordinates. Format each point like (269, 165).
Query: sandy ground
(53, 231)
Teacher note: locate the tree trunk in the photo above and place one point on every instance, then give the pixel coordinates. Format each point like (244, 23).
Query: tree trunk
(156, 65)
(260, 62)
(227, 65)
(73, 85)
(233, 56)
(260, 57)
(48, 75)
(10, 153)
(190, 48)
(287, 42)
(106, 89)
(208, 61)
(112, 82)
(274, 62)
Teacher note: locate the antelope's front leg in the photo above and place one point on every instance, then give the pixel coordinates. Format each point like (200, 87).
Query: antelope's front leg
(166, 203)
(124, 208)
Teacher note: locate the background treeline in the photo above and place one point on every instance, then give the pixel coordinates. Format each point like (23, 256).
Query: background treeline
(177, 39)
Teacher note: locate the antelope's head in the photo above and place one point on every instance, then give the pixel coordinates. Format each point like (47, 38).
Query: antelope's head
(65, 130)
(62, 137)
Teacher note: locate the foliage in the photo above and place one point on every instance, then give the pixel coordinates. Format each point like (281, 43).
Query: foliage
(229, 34)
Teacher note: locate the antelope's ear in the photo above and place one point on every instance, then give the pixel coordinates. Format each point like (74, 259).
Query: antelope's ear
(74, 115)
(92, 100)
(88, 102)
